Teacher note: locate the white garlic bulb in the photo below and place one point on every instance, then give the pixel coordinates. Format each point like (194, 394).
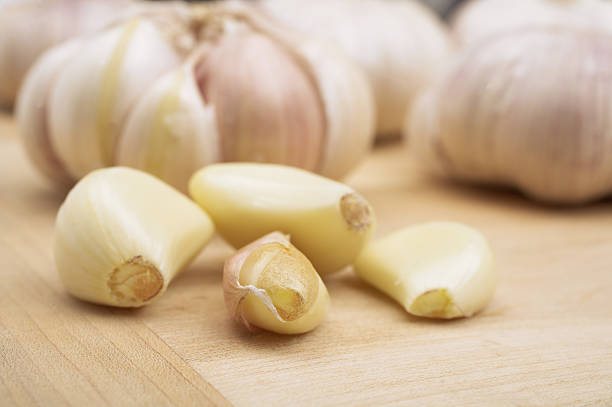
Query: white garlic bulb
(480, 19)
(401, 45)
(29, 27)
(252, 93)
(529, 109)
(73, 103)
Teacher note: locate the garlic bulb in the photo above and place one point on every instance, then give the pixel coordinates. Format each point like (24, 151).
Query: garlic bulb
(252, 93)
(29, 27)
(73, 103)
(401, 45)
(172, 93)
(480, 19)
(529, 109)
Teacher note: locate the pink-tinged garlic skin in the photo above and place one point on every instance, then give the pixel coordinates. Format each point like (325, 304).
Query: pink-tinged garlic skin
(29, 27)
(267, 108)
(530, 109)
(400, 45)
(478, 20)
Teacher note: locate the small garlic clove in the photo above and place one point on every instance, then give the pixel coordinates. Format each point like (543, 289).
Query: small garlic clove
(437, 270)
(171, 133)
(267, 108)
(122, 235)
(269, 284)
(32, 111)
(95, 91)
(328, 221)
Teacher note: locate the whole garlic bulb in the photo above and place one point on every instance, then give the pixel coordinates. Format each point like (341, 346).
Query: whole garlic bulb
(75, 99)
(252, 93)
(529, 109)
(29, 27)
(480, 19)
(401, 45)
(213, 84)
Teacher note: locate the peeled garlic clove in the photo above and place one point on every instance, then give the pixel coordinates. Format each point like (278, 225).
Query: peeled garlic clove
(400, 45)
(481, 19)
(270, 284)
(122, 235)
(91, 98)
(171, 133)
(436, 270)
(499, 116)
(328, 221)
(32, 114)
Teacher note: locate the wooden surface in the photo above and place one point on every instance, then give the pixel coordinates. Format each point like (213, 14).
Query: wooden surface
(545, 340)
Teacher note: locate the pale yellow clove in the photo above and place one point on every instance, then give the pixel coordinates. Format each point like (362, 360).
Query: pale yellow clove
(271, 285)
(328, 221)
(437, 270)
(122, 235)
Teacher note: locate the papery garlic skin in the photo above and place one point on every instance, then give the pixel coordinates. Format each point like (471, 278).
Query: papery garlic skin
(32, 112)
(326, 220)
(29, 27)
(401, 45)
(269, 284)
(94, 93)
(437, 270)
(480, 19)
(517, 110)
(267, 108)
(122, 235)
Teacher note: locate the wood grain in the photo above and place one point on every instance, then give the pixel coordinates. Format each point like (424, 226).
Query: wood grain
(546, 339)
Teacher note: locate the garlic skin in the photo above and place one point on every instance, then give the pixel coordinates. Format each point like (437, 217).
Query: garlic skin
(251, 93)
(32, 118)
(171, 133)
(94, 93)
(436, 270)
(269, 284)
(29, 27)
(478, 20)
(499, 116)
(122, 235)
(327, 221)
(401, 45)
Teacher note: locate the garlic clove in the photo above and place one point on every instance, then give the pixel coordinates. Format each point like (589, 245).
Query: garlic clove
(328, 221)
(400, 45)
(437, 270)
(269, 284)
(95, 91)
(32, 112)
(122, 235)
(342, 88)
(267, 108)
(171, 133)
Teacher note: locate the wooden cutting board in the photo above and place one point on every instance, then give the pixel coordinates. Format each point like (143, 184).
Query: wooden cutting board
(546, 339)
